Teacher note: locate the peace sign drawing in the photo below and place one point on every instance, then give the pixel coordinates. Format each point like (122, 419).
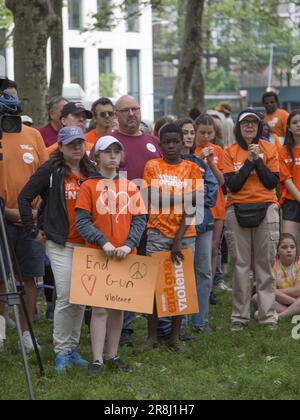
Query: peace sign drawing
(138, 271)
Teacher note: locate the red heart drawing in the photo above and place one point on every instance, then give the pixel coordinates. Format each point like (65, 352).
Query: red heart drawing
(89, 283)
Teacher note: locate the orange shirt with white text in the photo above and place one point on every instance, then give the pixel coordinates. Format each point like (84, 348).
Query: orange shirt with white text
(179, 180)
(112, 203)
(72, 186)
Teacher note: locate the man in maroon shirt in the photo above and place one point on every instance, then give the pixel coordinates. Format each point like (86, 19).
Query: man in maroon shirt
(139, 147)
(49, 132)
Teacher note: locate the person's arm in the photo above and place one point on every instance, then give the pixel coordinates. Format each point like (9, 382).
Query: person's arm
(236, 180)
(138, 227)
(283, 298)
(216, 171)
(176, 252)
(269, 179)
(37, 185)
(211, 187)
(86, 229)
(293, 292)
(291, 187)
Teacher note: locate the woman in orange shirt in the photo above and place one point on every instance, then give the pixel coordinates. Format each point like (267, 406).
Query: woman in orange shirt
(251, 171)
(58, 182)
(213, 155)
(289, 159)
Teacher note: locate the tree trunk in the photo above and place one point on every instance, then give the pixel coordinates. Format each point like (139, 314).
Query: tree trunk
(57, 52)
(190, 60)
(33, 22)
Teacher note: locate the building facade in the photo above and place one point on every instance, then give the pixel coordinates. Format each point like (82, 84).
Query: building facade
(110, 63)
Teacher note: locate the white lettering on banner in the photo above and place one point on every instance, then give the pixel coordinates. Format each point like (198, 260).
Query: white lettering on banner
(180, 286)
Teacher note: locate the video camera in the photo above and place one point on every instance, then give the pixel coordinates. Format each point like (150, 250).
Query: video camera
(10, 108)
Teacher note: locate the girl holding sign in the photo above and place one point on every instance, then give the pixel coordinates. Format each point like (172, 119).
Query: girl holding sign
(110, 216)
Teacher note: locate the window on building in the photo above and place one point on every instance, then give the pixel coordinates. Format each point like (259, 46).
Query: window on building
(132, 17)
(133, 74)
(105, 61)
(77, 66)
(75, 14)
(107, 77)
(105, 17)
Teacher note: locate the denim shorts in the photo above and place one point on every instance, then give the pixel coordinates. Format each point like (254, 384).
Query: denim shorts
(157, 242)
(29, 254)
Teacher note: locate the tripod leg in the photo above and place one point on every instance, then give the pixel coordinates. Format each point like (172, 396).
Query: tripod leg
(36, 350)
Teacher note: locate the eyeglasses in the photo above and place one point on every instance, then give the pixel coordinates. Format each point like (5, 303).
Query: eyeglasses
(106, 114)
(248, 123)
(128, 110)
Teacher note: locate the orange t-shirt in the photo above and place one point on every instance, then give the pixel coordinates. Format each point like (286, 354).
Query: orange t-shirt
(219, 210)
(289, 170)
(253, 190)
(23, 154)
(92, 137)
(176, 180)
(112, 204)
(72, 188)
(278, 121)
(53, 148)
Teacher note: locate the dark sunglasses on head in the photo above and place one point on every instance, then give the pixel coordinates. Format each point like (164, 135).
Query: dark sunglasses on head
(106, 114)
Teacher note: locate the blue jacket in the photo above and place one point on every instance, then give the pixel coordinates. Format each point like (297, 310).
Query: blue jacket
(211, 187)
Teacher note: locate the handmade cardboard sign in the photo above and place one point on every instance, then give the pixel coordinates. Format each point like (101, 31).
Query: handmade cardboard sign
(176, 292)
(127, 285)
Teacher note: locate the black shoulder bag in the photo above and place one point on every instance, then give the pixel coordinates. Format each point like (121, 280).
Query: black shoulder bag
(250, 215)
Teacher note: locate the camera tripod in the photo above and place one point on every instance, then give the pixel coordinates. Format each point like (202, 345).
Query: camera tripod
(13, 296)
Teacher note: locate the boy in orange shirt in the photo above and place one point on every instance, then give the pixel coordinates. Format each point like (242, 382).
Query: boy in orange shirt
(275, 117)
(170, 230)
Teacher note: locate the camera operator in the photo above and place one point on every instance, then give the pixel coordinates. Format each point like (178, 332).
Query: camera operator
(23, 153)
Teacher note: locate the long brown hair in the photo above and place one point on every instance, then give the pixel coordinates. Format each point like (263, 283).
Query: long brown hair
(87, 168)
(289, 140)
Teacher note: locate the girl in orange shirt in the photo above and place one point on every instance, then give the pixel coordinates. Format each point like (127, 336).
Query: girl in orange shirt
(106, 223)
(289, 159)
(213, 155)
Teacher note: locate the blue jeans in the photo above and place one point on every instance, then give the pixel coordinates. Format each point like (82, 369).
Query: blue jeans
(203, 277)
(219, 277)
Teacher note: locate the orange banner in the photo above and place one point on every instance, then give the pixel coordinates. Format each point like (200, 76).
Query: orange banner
(107, 283)
(176, 292)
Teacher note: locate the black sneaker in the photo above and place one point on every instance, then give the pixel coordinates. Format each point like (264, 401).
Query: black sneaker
(213, 300)
(117, 363)
(96, 369)
(126, 339)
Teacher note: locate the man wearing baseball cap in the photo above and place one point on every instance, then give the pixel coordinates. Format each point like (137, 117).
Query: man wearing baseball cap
(73, 114)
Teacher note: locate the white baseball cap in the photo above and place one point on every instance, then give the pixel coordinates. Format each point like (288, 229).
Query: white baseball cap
(104, 142)
(247, 114)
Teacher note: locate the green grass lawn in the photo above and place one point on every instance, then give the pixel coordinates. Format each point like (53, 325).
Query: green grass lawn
(254, 364)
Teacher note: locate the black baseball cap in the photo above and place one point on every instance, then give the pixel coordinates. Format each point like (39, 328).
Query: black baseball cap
(75, 108)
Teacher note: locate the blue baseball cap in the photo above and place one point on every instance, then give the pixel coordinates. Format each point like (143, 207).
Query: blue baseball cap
(68, 134)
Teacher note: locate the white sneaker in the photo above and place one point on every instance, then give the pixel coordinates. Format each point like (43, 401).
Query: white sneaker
(223, 286)
(28, 344)
(1, 345)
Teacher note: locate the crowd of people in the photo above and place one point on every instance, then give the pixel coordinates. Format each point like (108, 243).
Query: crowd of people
(52, 179)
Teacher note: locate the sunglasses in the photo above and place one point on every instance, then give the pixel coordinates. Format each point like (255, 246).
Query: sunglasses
(106, 114)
